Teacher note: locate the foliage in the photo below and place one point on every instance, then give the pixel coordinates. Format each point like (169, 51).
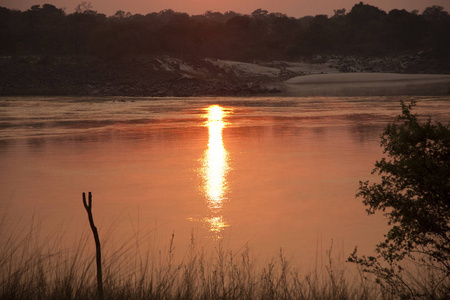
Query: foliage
(84, 8)
(365, 29)
(414, 195)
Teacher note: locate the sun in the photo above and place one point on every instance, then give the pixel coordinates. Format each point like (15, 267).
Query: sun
(215, 113)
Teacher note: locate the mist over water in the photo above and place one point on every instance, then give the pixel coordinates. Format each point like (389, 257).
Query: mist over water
(267, 172)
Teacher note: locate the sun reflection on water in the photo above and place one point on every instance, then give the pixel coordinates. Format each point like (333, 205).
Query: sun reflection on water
(214, 169)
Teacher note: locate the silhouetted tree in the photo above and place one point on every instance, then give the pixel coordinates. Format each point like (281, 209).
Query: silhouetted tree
(404, 30)
(42, 30)
(82, 29)
(365, 29)
(260, 13)
(439, 21)
(339, 13)
(85, 8)
(414, 195)
(318, 35)
(434, 14)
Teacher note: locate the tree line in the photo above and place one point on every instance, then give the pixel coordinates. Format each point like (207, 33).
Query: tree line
(364, 30)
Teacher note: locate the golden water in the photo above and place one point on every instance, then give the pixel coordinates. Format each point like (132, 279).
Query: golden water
(262, 172)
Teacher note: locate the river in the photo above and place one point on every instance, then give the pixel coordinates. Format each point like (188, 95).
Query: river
(267, 173)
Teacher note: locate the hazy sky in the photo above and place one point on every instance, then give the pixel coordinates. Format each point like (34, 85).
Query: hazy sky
(294, 8)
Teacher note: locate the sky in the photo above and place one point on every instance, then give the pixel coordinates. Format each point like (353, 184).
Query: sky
(293, 8)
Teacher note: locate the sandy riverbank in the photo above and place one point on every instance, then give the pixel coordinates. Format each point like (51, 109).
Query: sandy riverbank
(359, 84)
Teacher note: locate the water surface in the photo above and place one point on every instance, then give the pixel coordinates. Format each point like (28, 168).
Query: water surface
(262, 172)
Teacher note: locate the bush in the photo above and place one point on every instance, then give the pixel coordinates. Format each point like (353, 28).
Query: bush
(414, 195)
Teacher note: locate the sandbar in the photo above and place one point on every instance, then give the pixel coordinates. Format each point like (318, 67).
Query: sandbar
(365, 84)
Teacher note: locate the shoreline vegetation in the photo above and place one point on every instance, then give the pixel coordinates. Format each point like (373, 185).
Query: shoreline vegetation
(34, 266)
(48, 51)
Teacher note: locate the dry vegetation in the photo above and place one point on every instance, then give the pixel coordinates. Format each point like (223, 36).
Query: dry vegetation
(37, 267)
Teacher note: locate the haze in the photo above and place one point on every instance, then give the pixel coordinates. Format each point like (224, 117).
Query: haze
(293, 8)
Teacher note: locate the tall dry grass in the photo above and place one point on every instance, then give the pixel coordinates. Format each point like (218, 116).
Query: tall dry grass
(33, 266)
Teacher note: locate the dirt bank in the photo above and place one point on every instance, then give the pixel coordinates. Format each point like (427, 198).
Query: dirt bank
(170, 76)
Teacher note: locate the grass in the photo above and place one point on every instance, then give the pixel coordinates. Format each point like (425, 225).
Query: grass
(39, 267)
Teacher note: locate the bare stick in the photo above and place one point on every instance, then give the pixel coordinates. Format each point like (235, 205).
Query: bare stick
(88, 207)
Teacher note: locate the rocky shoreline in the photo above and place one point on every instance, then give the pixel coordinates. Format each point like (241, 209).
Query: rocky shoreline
(165, 76)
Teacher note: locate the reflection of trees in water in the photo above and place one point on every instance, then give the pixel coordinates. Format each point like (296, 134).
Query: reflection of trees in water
(5, 144)
(363, 133)
(271, 102)
(36, 144)
(138, 134)
(254, 132)
(287, 130)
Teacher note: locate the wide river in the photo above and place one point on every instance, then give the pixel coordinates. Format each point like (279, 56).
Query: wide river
(262, 172)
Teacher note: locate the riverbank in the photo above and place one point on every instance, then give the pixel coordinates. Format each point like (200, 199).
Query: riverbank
(367, 84)
(160, 76)
(166, 76)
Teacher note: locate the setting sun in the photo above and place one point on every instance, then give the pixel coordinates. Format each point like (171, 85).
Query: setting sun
(215, 114)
